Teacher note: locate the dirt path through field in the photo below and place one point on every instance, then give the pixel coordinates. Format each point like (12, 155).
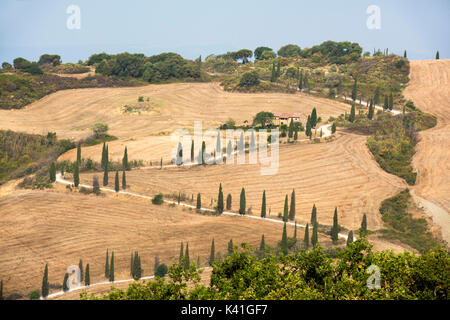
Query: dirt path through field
(429, 88)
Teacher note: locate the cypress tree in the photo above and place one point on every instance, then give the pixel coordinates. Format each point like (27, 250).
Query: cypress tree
(371, 110)
(313, 118)
(131, 266)
(180, 259)
(351, 118)
(295, 230)
(296, 134)
(333, 128)
(308, 127)
(79, 153)
(229, 202)
(192, 150)
(203, 152)
(262, 244)
(286, 209)
(242, 204)
(45, 287)
(263, 205)
(314, 237)
(80, 265)
(292, 208)
(230, 247)
(391, 101)
(52, 172)
(124, 180)
(284, 241)
(437, 55)
(95, 185)
(111, 268)
(107, 265)
(187, 261)
(156, 263)
(354, 90)
(363, 230)
(1, 290)
(405, 55)
(220, 200)
(314, 214)
(116, 182)
(125, 164)
(212, 254)
(65, 287)
(103, 155)
(87, 276)
(199, 201)
(306, 237)
(376, 98)
(161, 163)
(76, 175)
(335, 228)
(105, 175)
(349, 237)
(291, 129)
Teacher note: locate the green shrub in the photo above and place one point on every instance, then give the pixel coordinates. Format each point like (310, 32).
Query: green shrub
(158, 199)
(161, 270)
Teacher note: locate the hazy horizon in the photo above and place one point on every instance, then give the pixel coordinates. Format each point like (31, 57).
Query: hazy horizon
(29, 29)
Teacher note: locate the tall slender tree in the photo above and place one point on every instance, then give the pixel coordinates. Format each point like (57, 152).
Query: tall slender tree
(180, 259)
(405, 55)
(125, 164)
(116, 182)
(87, 276)
(103, 155)
(363, 229)
(437, 55)
(376, 98)
(79, 153)
(284, 241)
(124, 180)
(354, 90)
(187, 261)
(107, 265)
(313, 118)
(314, 214)
(220, 200)
(292, 208)
(262, 244)
(52, 172)
(192, 151)
(230, 247)
(76, 175)
(349, 237)
(286, 209)
(335, 228)
(242, 202)
(333, 128)
(391, 101)
(80, 266)
(263, 205)
(212, 253)
(295, 230)
(314, 237)
(65, 286)
(105, 175)
(351, 118)
(45, 285)
(371, 110)
(111, 268)
(229, 202)
(306, 237)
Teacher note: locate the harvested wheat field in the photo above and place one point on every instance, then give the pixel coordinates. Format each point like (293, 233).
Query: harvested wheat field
(59, 227)
(341, 173)
(72, 113)
(429, 88)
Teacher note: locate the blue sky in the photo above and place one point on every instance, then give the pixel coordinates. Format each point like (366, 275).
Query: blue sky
(29, 28)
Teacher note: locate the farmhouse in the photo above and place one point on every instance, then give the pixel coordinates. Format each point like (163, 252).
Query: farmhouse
(285, 118)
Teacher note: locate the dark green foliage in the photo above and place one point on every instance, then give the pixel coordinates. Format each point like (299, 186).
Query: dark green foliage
(187, 261)
(290, 50)
(87, 276)
(79, 153)
(35, 295)
(259, 51)
(220, 206)
(262, 244)
(161, 271)
(335, 228)
(229, 202)
(180, 259)
(212, 254)
(363, 230)
(116, 182)
(53, 59)
(158, 199)
(437, 55)
(52, 172)
(314, 237)
(45, 287)
(263, 205)
(292, 208)
(349, 238)
(95, 185)
(65, 286)
(376, 98)
(286, 209)
(80, 265)
(105, 174)
(284, 241)
(136, 267)
(314, 214)
(263, 119)
(249, 79)
(76, 175)
(371, 110)
(306, 237)
(333, 128)
(124, 180)
(192, 151)
(308, 131)
(107, 265)
(354, 90)
(242, 202)
(391, 101)
(199, 201)
(351, 118)
(230, 247)
(111, 268)
(403, 226)
(125, 163)
(295, 230)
